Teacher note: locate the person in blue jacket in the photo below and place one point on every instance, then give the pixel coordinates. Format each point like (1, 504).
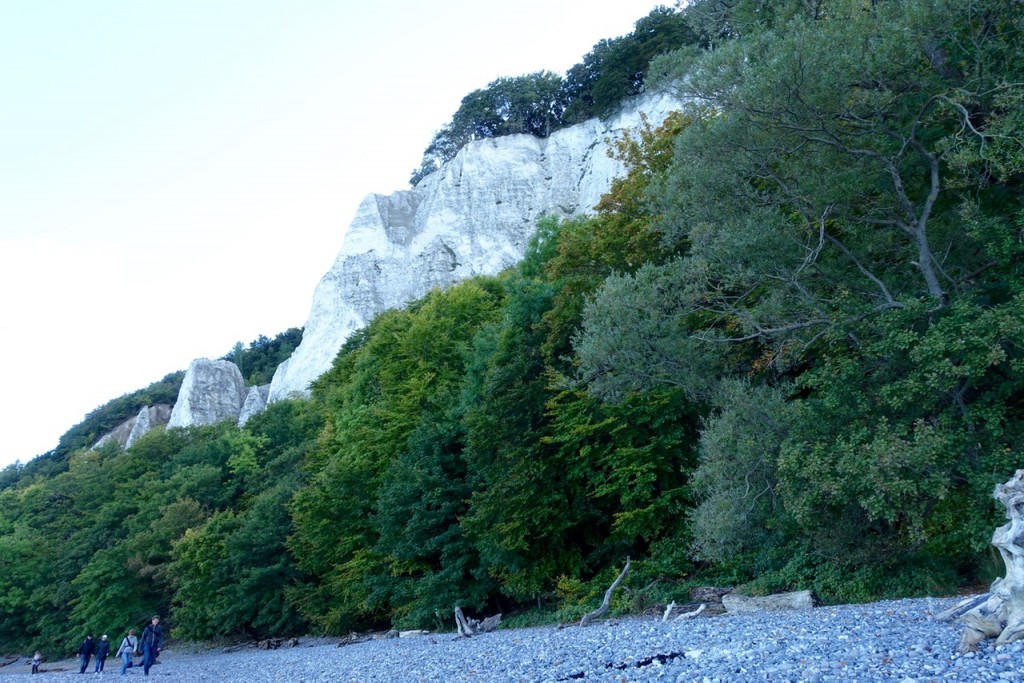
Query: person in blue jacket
(102, 650)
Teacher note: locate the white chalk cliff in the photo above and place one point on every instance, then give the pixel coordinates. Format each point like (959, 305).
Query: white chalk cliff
(212, 390)
(474, 216)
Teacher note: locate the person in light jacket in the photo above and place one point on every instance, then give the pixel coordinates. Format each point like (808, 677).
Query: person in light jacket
(129, 644)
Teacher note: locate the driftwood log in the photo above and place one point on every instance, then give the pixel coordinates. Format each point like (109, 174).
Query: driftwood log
(734, 602)
(999, 613)
(684, 615)
(587, 618)
(472, 627)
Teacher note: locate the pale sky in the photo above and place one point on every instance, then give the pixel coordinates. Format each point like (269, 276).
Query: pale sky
(177, 176)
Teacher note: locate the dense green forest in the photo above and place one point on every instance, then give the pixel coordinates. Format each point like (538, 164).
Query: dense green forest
(787, 351)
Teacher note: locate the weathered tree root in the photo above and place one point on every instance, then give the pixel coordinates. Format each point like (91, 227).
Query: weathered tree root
(472, 627)
(587, 618)
(275, 643)
(999, 613)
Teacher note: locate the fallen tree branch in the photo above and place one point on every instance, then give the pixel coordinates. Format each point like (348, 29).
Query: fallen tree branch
(668, 611)
(690, 615)
(587, 618)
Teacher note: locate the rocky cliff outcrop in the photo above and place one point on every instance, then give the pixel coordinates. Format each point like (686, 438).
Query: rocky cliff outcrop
(212, 390)
(255, 403)
(132, 429)
(148, 418)
(118, 434)
(474, 216)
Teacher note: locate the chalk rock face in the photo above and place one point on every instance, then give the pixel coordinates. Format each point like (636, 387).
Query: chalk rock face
(132, 429)
(118, 434)
(148, 418)
(255, 403)
(474, 216)
(213, 390)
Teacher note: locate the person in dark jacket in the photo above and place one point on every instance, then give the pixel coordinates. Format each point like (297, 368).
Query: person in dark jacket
(85, 653)
(152, 641)
(102, 650)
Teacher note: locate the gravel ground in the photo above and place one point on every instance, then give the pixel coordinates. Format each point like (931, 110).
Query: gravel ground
(882, 641)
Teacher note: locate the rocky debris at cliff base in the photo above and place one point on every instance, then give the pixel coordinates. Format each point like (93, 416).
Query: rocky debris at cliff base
(883, 641)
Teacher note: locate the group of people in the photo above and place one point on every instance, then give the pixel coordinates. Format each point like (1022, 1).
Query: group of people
(148, 645)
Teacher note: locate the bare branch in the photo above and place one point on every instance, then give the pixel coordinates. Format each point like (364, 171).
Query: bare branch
(767, 331)
(864, 271)
(668, 611)
(587, 618)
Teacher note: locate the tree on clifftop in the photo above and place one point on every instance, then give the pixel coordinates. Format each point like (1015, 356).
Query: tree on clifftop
(532, 103)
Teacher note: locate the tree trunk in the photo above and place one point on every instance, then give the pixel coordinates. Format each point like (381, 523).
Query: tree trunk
(999, 613)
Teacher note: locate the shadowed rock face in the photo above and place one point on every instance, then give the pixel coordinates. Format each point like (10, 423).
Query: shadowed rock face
(132, 429)
(213, 390)
(255, 403)
(474, 216)
(147, 419)
(118, 434)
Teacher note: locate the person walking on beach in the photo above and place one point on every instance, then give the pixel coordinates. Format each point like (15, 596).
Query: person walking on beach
(152, 641)
(85, 653)
(127, 650)
(37, 659)
(102, 650)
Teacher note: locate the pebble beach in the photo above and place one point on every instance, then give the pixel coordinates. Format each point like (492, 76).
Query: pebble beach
(883, 641)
